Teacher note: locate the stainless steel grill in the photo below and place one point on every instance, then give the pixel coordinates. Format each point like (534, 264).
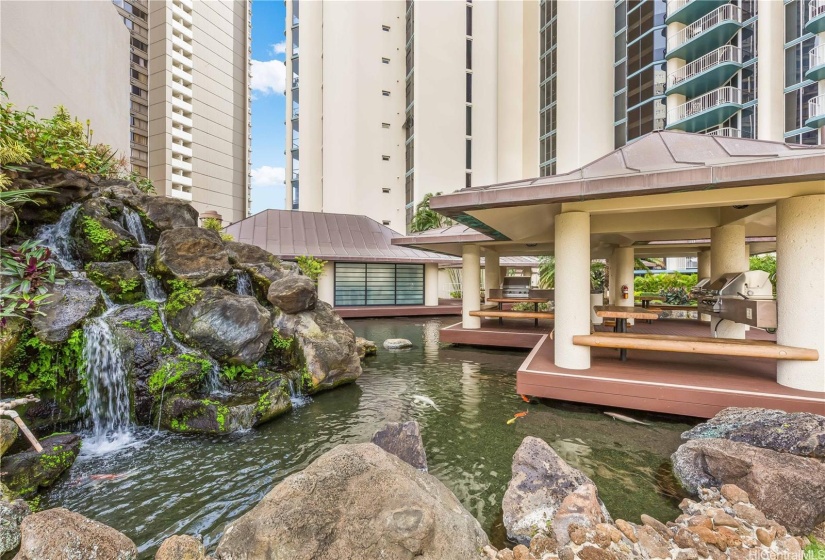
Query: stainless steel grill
(516, 287)
(743, 297)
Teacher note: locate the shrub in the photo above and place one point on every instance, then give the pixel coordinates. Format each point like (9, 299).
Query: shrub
(310, 266)
(656, 283)
(26, 274)
(215, 225)
(456, 294)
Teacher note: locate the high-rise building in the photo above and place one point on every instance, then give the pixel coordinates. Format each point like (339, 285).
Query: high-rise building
(190, 99)
(389, 101)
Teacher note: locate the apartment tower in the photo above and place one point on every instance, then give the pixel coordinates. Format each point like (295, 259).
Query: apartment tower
(390, 100)
(189, 89)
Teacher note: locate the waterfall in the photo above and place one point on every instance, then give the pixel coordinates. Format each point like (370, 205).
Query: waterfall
(56, 237)
(244, 285)
(132, 224)
(295, 394)
(107, 388)
(154, 289)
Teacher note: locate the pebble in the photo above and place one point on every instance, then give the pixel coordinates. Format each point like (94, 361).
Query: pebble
(700, 521)
(627, 529)
(542, 544)
(687, 554)
(687, 539)
(734, 494)
(750, 514)
(578, 534)
(724, 520)
(731, 538)
(505, 554)
(521, 552)
(566, 553)
(653, 543)
(595, 553)
(657, 526)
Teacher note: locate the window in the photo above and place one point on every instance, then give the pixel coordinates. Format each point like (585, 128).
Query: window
(385, 60)
(469, 88)
(138, 154)
(135, 122)
(468, 180)
(469, 130)
(385, 125)
(385, 28)
(385, 93)
(469, 55)
(139, 139)
(385, 158)
(385, 190)
(139, 76)
(469, 153)
(139, 60)
(469, 21)
(386, 222)
(139, 44)
(379, 283)
(139, 108)
(140, 92)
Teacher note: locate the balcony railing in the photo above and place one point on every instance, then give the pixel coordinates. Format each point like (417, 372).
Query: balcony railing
(816, 107)
(726, 12)
(817, 56)
(728, 131)
(721, 96)
(726, 53)
(674, 6)
(816, 8)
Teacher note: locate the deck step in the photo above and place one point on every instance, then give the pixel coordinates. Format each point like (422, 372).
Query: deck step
(513, 314)
(697, 345)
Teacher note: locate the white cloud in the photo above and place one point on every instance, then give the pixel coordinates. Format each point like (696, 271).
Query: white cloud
(268, 176)
(279, 48)
(268, 76)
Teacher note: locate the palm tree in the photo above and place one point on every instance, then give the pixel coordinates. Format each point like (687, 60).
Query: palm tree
(426, 219)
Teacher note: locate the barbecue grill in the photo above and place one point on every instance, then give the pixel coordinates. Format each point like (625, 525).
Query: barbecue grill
(516, 287)
(744, 297)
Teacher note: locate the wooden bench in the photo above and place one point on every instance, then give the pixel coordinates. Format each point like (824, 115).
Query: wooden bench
(666, 307)
(697, 345)
(493, 313)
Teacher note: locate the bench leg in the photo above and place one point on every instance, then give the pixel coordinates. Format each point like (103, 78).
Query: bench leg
(500, 308)
(621, 325)
(536, 309)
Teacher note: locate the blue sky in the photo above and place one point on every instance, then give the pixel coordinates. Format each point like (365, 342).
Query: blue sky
(268, 78)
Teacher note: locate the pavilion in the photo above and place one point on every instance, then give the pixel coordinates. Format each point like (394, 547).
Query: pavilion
(666, 194)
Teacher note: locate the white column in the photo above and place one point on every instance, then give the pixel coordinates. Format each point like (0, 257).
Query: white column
(800, 268)
(770, 80)
(431, 284)
(728, 253)
(611, 282)
(703, 271)
(623, 259)
(492, 271)
(326, 284)
(470, 286)
(572, 289)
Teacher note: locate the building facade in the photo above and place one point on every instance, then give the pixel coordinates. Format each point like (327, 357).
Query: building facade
(189, 117)
(393, 100)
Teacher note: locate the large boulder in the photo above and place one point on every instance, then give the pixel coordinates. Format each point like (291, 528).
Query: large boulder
(181, 547)
(244, 254)
(8, 434)
(28, 471)
(192, 254)
(67, 187)
(11, 516)
(120, 280)
(404, 441)
(800, 433)
(356, 501)
(788, 488)
(541, 481)
(66, 308)
(293, 294)
(231, 328)
(326, 343)
(365, 347)
(59, 534)
(160, 214)
(97, 235)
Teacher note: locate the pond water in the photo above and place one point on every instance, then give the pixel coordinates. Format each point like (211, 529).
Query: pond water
(168, 484)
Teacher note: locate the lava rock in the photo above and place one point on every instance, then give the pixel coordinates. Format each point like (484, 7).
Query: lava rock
(181, 547)
(120, 280)
(397, 343)
(28, 471)
(97, 235)
(293, 294)
(356, 501)
(8, 433)
(365, 347)
(68, 187)
(326, 344)
(59, 534)
(7, 219)
(11, 516)
(581, 508)
(231, 328)
(404, 441)
(244, 254)
(787, 488)
(160, 214)
(541, 480)
(10, 337)
(65, 309)
(193, 254)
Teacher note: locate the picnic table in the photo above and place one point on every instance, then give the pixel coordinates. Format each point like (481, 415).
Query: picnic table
(621, 315)
(503, 300)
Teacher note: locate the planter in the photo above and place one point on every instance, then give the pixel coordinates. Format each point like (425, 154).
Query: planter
(596, 299)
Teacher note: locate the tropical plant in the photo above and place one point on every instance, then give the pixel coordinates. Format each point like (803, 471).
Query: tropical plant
(26, 273)
(310, 266)
(215, 225)
(598, 276)
(675, 295)
(425, 219)
(656, 283)
(766, 263)
(547, 272)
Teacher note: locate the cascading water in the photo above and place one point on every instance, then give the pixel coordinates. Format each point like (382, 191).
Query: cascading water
(132, 223)
(107, 388)
(295, 394)
(244, 285)
(56, 237)
(154, 289)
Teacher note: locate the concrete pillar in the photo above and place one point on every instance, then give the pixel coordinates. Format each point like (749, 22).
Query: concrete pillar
(326, 284)
(623, 259)
(431, 284)
(800, 268)
(572, 289)
(703, 271)
(728, 253)
(770, 80)
(611, 280)
(492, 271)
(674, 100)
(470, 286)
(502, 272)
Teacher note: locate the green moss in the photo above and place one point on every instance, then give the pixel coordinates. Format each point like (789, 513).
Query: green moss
(99, 236)
(172, 374)
(238, 371)
(128, 286)
(306, 379)
(35, 366)
(264, 403)
(154, 322)
(183, 295)
(281, 343)
(179, 425)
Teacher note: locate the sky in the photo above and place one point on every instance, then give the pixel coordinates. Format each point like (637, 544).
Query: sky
(268, 79)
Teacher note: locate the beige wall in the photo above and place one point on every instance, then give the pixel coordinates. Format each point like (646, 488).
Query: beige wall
(69, 53)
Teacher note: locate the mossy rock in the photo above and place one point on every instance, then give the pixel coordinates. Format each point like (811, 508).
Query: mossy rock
(120, 280)
(10, 337)
(96, 234)
(8, 433)
(29, 471)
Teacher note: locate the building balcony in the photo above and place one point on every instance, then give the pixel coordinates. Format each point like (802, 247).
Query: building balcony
(184, 61)
(688, 11)
(182, 75)
(181, 89)
(709, 32)
(180, 13)
(179, 148)
(181, 135)
(816, 112)
(705, 111)
(182, 120)
(182, 180)
(177, 192)
(181, 165)
(706, 73)
(184, 106)
(816, 68)
(816, 17)
(184, 46)
(182, 29)
(727, 131)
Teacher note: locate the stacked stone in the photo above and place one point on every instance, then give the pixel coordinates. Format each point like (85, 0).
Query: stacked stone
(722, 525)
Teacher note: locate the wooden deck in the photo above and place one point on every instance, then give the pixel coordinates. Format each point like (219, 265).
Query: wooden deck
(371, 311)
(674, 383)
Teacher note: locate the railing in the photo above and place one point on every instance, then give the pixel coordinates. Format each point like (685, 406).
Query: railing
(817, 56)
(295, 82)
(295, 113)
(717, 16)
(726, 53)
(816, 8)
(674, 6)
(728, 131)
(711, 99)
(816, 107)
